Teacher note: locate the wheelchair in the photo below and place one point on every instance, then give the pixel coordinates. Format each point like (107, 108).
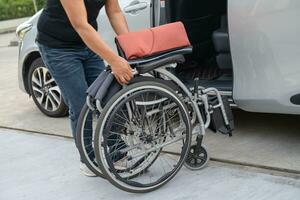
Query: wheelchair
(139, 136)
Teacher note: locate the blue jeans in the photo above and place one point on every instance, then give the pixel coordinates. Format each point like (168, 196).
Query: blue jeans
(74, 70)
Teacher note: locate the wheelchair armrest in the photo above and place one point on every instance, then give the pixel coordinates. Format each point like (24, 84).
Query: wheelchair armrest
(180, 51)
(150, 66)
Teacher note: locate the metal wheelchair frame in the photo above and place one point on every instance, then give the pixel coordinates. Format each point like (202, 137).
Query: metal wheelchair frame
(200, 97)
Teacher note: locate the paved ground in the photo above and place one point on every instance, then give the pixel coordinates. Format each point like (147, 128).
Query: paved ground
(11, 25)
(45, 167)
(260, 139)
(5, 39)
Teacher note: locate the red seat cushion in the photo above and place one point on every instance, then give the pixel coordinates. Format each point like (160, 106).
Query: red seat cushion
(153, 41)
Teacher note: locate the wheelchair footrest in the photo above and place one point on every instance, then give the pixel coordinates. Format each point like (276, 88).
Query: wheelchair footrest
(217, 120)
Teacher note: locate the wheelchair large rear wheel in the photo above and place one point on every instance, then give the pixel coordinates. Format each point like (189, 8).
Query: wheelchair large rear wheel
(86, 126)
(142, 137)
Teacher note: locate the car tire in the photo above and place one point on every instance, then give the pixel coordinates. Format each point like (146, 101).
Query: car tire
(44, 90)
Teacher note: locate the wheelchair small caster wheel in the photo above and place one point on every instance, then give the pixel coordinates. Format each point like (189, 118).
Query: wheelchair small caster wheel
(197, 158)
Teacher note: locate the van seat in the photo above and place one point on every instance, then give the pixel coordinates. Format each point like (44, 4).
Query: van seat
(221, 40)
(222, 45)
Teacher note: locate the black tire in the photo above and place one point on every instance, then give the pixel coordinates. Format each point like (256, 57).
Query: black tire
(85, 154)
(111, 173)
(58, 108)
(197, 158)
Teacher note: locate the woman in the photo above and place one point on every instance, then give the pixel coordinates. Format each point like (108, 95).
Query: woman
(73, 50)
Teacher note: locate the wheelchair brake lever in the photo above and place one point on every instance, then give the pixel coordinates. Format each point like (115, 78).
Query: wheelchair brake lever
(135, 72)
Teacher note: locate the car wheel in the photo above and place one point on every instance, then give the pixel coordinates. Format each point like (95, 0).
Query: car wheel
(44, 90)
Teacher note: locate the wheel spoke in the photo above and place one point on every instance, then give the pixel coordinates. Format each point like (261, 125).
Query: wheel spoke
(55, 88)
(45, 73)
(53, 105)
(51, 80)
(47, 103)
(40, 76)
(36, 80)
(41, 98)
(37, 90)
(55, 97)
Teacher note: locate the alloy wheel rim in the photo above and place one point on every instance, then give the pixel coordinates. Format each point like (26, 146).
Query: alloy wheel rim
(45, 89)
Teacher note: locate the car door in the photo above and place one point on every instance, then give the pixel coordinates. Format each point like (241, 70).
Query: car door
(137, 13)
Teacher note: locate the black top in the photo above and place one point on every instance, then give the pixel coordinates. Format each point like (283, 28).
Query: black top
(55, 29)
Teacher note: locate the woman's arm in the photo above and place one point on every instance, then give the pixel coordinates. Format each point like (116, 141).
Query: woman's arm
(77, 15)
(116, 17)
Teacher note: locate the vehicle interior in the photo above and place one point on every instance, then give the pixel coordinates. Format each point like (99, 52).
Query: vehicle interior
(207, 28)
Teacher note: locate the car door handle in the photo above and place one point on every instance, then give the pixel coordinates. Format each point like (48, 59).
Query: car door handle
(135, 6)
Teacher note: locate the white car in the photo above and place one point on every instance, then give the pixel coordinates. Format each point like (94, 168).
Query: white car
(249, 50)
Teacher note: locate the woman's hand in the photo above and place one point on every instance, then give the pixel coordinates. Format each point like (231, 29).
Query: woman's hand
(121, 70)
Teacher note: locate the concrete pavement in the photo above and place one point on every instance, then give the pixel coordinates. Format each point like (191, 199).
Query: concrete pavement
(265, 140)
(7, 31)
(7, 39)
(45, 167)
(11, 25)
